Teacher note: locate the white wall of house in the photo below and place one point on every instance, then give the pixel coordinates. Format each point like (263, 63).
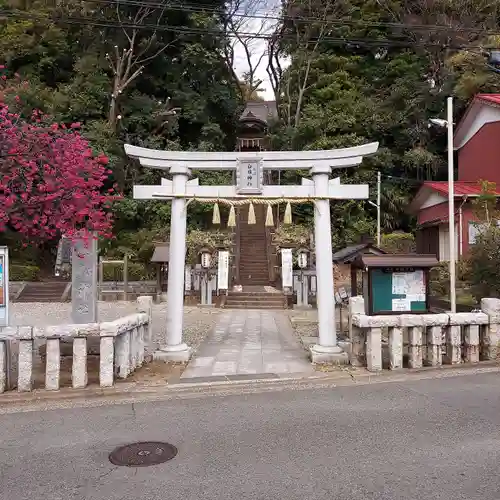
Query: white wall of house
(444, 242)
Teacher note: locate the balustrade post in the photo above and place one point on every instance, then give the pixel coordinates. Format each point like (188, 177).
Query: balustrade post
(79, 375)
(434, 345)
(374, 349)
(415, 347)
(453, 347)
(471, 343)
(25, 366)
(491, 337)
(3, 365)
(145, 305)
(395, 348)
(106, 354)
(52, 364)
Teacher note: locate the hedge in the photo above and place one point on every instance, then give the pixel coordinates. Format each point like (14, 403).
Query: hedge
(23, 272)
(136, 272)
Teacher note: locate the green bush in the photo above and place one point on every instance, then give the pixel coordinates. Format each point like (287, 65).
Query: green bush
(398, 243)
(440, 277)
(22, 272)
(136, 272)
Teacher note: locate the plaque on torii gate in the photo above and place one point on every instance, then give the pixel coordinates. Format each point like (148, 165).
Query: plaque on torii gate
(250, 169)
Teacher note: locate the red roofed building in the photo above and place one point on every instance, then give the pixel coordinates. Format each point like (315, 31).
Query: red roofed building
(476, 140)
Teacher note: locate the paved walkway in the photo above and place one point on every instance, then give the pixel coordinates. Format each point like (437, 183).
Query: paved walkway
(249, 342)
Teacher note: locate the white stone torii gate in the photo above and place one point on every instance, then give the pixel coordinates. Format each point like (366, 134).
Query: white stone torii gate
(249, 168)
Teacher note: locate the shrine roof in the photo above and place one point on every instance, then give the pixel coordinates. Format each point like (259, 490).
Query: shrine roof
(263, 111)
(396, 260)
(349, 253)
(161, 253)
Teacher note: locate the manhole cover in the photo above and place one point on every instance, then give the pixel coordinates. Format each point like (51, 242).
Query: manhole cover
(143, 454)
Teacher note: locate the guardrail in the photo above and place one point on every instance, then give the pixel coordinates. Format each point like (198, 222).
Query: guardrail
(123, 347)
(432, 339)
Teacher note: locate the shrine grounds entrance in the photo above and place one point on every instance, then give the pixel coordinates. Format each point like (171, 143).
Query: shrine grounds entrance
(249, 169)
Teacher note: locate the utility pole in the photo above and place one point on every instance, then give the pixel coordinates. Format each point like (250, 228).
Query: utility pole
(378, 208)
(451, 204)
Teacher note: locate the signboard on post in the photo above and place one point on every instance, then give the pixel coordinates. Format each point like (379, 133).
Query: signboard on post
(223, 270)
(286, 268)
(4, 286)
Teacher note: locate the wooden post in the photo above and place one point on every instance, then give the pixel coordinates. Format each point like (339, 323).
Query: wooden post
(354, 281)
(101, 277)
(125, 277)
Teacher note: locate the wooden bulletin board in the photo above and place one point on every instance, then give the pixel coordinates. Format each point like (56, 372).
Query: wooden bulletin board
(397, 290)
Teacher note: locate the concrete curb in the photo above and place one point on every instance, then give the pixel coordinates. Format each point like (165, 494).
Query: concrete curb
(127, 393)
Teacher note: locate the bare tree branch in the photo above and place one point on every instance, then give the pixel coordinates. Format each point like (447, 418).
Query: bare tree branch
(245, 26)
(129, 63)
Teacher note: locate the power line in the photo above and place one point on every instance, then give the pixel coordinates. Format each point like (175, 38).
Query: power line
(263, 15)
(374, 42)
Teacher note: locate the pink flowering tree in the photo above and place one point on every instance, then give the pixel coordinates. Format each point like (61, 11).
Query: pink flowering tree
(51, 183)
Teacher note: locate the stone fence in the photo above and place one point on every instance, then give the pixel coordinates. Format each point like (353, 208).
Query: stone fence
(122, 345)
(427, 339)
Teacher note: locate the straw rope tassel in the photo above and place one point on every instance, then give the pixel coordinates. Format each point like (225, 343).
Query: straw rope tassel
(251, 214)
(231, 221)
(216, 215)
(269, 216)
(287, 219)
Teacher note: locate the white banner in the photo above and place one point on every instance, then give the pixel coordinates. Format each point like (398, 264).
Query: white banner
(223, 270)
(286, 267)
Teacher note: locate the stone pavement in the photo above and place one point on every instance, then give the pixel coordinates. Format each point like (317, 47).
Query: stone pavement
(249, 342)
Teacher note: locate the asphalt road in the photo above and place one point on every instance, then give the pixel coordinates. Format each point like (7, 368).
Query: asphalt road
(428, 439)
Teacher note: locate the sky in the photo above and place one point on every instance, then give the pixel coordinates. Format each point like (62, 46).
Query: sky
(258, 46)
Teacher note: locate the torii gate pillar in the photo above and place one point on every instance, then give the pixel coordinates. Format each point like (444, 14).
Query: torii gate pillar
(326, 349)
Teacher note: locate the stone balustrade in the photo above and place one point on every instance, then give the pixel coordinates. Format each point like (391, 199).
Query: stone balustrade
(431, 339)
(123, 347)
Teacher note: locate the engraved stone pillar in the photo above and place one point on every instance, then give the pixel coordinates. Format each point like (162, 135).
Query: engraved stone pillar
(84, 281)
(395, 348)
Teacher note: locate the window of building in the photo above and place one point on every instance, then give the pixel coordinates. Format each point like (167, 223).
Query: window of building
(475, 229)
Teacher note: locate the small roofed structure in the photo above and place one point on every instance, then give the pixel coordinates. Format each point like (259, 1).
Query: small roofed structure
(160, 258)
(343, 258)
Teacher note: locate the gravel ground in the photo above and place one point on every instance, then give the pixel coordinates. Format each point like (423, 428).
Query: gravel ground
(197, 321)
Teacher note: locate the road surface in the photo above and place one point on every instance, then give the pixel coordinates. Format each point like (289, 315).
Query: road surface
(427, 439)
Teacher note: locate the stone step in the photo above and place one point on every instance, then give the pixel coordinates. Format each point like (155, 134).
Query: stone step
(42, 292)
(255, 298)
(254, 305)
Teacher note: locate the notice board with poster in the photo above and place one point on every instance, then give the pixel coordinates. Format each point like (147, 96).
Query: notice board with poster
(395, 284)
(4, 286)
(398, 290)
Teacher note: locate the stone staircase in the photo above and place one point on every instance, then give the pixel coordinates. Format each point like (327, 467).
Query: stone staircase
(253, 249)
(256, 297)
(50, 291)
(258, 292)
